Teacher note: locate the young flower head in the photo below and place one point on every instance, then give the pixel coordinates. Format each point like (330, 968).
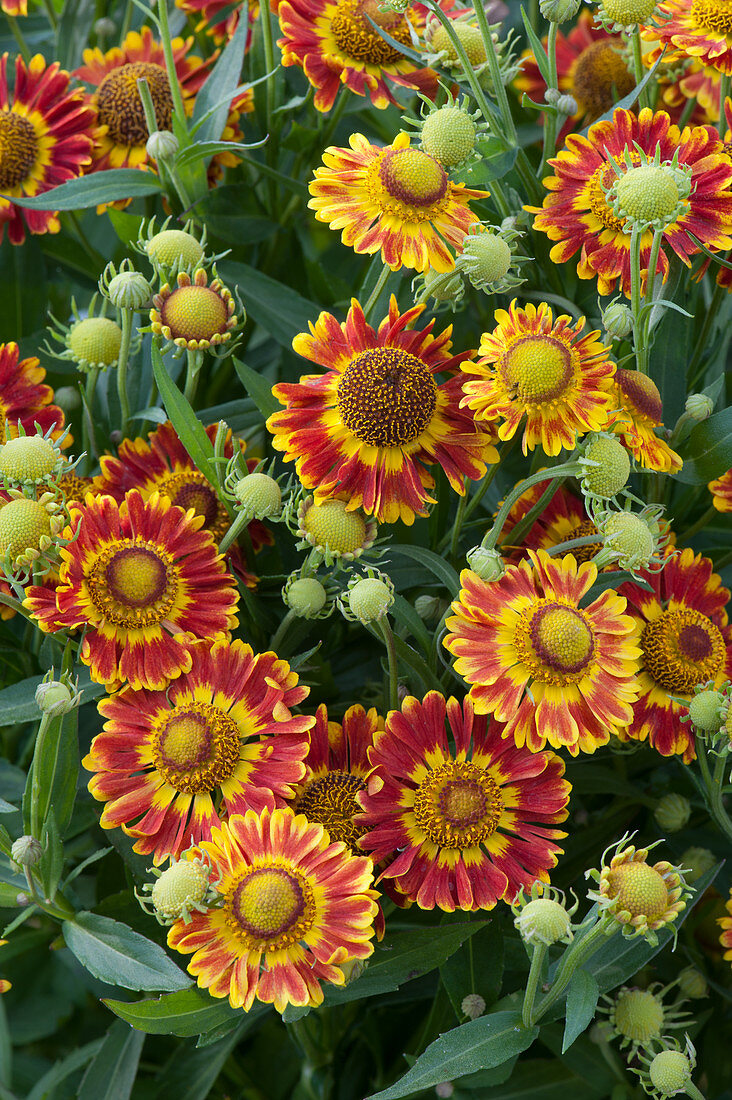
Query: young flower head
(543, 918)
(635, 540)
(641, 897)
(333, 531)
(258, 494)
(672, 812)
(57, 697)
(91, 342)
(668, 1072)
(440, 49)
(639, 1017)
(171, 250)
(606, 465)
(707, 709)
(125, 288)
(696, 863)
(617, 320)
(28, 461)
(487, 259)
(623, 15)
(183, 888)
(692, 983)
(30, 532)
(637, 413)
(307, 597)
(367, 599)
(648, 194)
(194, 315)
(449, 133)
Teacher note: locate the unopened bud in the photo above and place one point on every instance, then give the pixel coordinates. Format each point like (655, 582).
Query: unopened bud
(699, 406)
(617, 320)
(473, 1006)
(129, 290)
(672, 812)
(488, 564)
(259, 494)
(306, 597)
(692, 983)
(670, 1071)
(369, 599)
(559, 11)
(445, 1088)
(567, 105)
(428, 607)
(26, 851)
(544, 920)
(162, 145)
(105, 27)
(695, 862)
(608, 467)
(55, 698)
(551, 95)
(705, 710)
(67, 398)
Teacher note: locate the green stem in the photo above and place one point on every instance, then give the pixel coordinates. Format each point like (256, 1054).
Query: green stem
(526, 522)
(18, 36)
(567, 469)
(573, 958)
(194, 363)
(240, 524)
(269, 63)
(700, 524)
(651, 277)
(124, 354)
(487, 481)
(495, 70)
(691, 1090)
(51, 13)
(88, 430)
(635, 298)
(373, 296)
(393, 666)
(638, 67)
(573, 544)
(488, 115)
(175, 91)
(35, 815)
(713, 789)
(457, 525)
(550, 118)
(535, 972)
(281, 631)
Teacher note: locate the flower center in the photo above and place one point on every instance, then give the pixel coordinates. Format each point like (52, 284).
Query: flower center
(197, 747)
(582, 531)
(470, 38)
(194, 313)
(119, 105)
(23, 523)
(18, 149)
(358, 40)
(628, 12)
(641, 392)
(96, 340)
(562, 638)
(271, 906)
(600, 181)
(713, 15)
(538, 368)
(600, 74)
(190, 489)
(413, 177)
(682, 649)
(639, 1015)
(330, 525)
(640, 890)
(132, 585)
(648, 192)
(331, 801)
(458, 805)
(386, 397)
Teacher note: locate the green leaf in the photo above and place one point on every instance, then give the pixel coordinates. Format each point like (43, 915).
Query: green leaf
(51, 863)
(537, 48)
(225, 214)
(99, 187)
(47, 1085)
(221, 85)
(56, 763)
(671, 349)
(480, 1044)
(707, 453)
(112, 952)
(436, 565)
(191, 1077)
(405, 616)
(18, 702)
(7, 807)
(258, 388)
(23, 293)
(280, 311)
(582, 995)
(190, 1012)
(206, 149)
(544, 1079)
(476, 968)
(112, 1073)
(184, 420)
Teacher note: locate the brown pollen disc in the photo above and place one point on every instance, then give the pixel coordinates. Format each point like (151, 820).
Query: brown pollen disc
(119, 105)
(682, 649)
(18, 149)
(598, 72)
(582, 531)
(714, 16)
(458, 805)
(386, 397)
(196, 747)
(269, 904)
(331, 802)
(356, 37)
(190, 489)
(641, 392)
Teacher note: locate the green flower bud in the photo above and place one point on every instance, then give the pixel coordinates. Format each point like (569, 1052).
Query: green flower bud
(559, 11)
(162, 145)
(544, 920)
(617, 319)
(67, 398)
(448, 135)
(472, 1006)
(669, 1072)
(696, 862)
(306, 597)
(55, 698)
(567, 105)
(259, 494)
(181, 887)
(129, 290)
(488, 564)
(26, 851)
(612, 471)
(692, 983)
(699, 406)
(705, 710)
(28, 459)
(628, 13)
(369, 599)
(175, 248)
(672, 812)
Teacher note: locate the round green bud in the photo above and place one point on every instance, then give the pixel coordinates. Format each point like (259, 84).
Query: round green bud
(105, 27)
(670, 1071)
(129, 290)
(448, 135)
(544, 920)
(370, 599)
(25, 525)
(638, 1015)
(67, 398)
(306, 597)
(27, 458)
(559, 11)
(567, 105)
(472, 1006)
(180, 888)
(699, 406)
(492, 255)
(428, 607)
(444, 1089)
(613, 470)
(175, 247)
(259, 494)
(618, 320)
(162, 145)
(54, 698)
(692, 983)
(488, 564)
(352, 969)
(469, 37)
(705, 710)
(630, 537)
(96, 341)
(672, 812)
(695, 862)
(26, 851)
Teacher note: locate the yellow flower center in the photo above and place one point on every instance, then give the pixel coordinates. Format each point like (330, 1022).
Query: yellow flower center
(639, 888)
(119, 105)
(171, 246)
(18, 149)
(630, 536)
(641, 394)
(330, 525)
(181, 887)
(562, 637)
(23, 523)
(386, 397)
(582, 531)
(359, 41)
(271, 907)
(331, 801)
(600, 76)
(669, 1072)
(96, 340)
(27, 458)
(132, 585)
(600, 181)
(458, 805)
(190, 489)
(682, 649)
(537, 368)
(714, 16)
(647, 192)
(197, 747)
(639, 1015)
(470, 38)
(628, 12)
(413, 177)
(194, 313)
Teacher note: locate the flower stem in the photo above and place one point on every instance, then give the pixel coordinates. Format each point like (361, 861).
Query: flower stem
(175, 91)
(638, 66)
(701, 523)
(388, 634)
(713, 789)
(567, 469)
(532, 985)
(573, 958)
(573, 544)
(269, 63)
(691, 1090)
(18, 36)
(488, 115)
(550, 118)
(373, 296)
(88, 430)
(457, 525)
(124, 354)
(195, 362)
(281, 631)
(35, 816)
(495, 71)
(725, 85)
(641, 353)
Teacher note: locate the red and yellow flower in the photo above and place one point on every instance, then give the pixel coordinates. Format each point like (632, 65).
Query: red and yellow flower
(464, 827)
(337, 769)
(145, 581)
(335, 45)
(721, 490)
(397, 201)
(564, 517)
(637, 411)
(221, 739)
(701, 29)
(366, 430)
(684, 641)
(577, 215)
(590, 67)
(725, 923)
(544, 370)
(528, 630)
(24, 397)
(45, 139)
(295, 908)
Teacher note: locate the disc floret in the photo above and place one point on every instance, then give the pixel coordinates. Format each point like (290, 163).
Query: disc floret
(28, 461)
(195, 315)
(543, 917)
(648, 193)
(606, 464)
(639, 1017)
(183, 888)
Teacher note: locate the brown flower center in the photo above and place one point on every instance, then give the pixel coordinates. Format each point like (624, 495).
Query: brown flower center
(603, 177)
(194, 313)
(18, 149)
(413, 177)
(582, 531)
(197, 747)
(682, 649)
(639, 888)
(458, 805)
(714, 16)
(537, 368)
(600, 77)
(331, 801)
(271, 906)
(132, 585)
(119, 105)
(190, 489)
(360, 41)
(386, 397)
(641, 393)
